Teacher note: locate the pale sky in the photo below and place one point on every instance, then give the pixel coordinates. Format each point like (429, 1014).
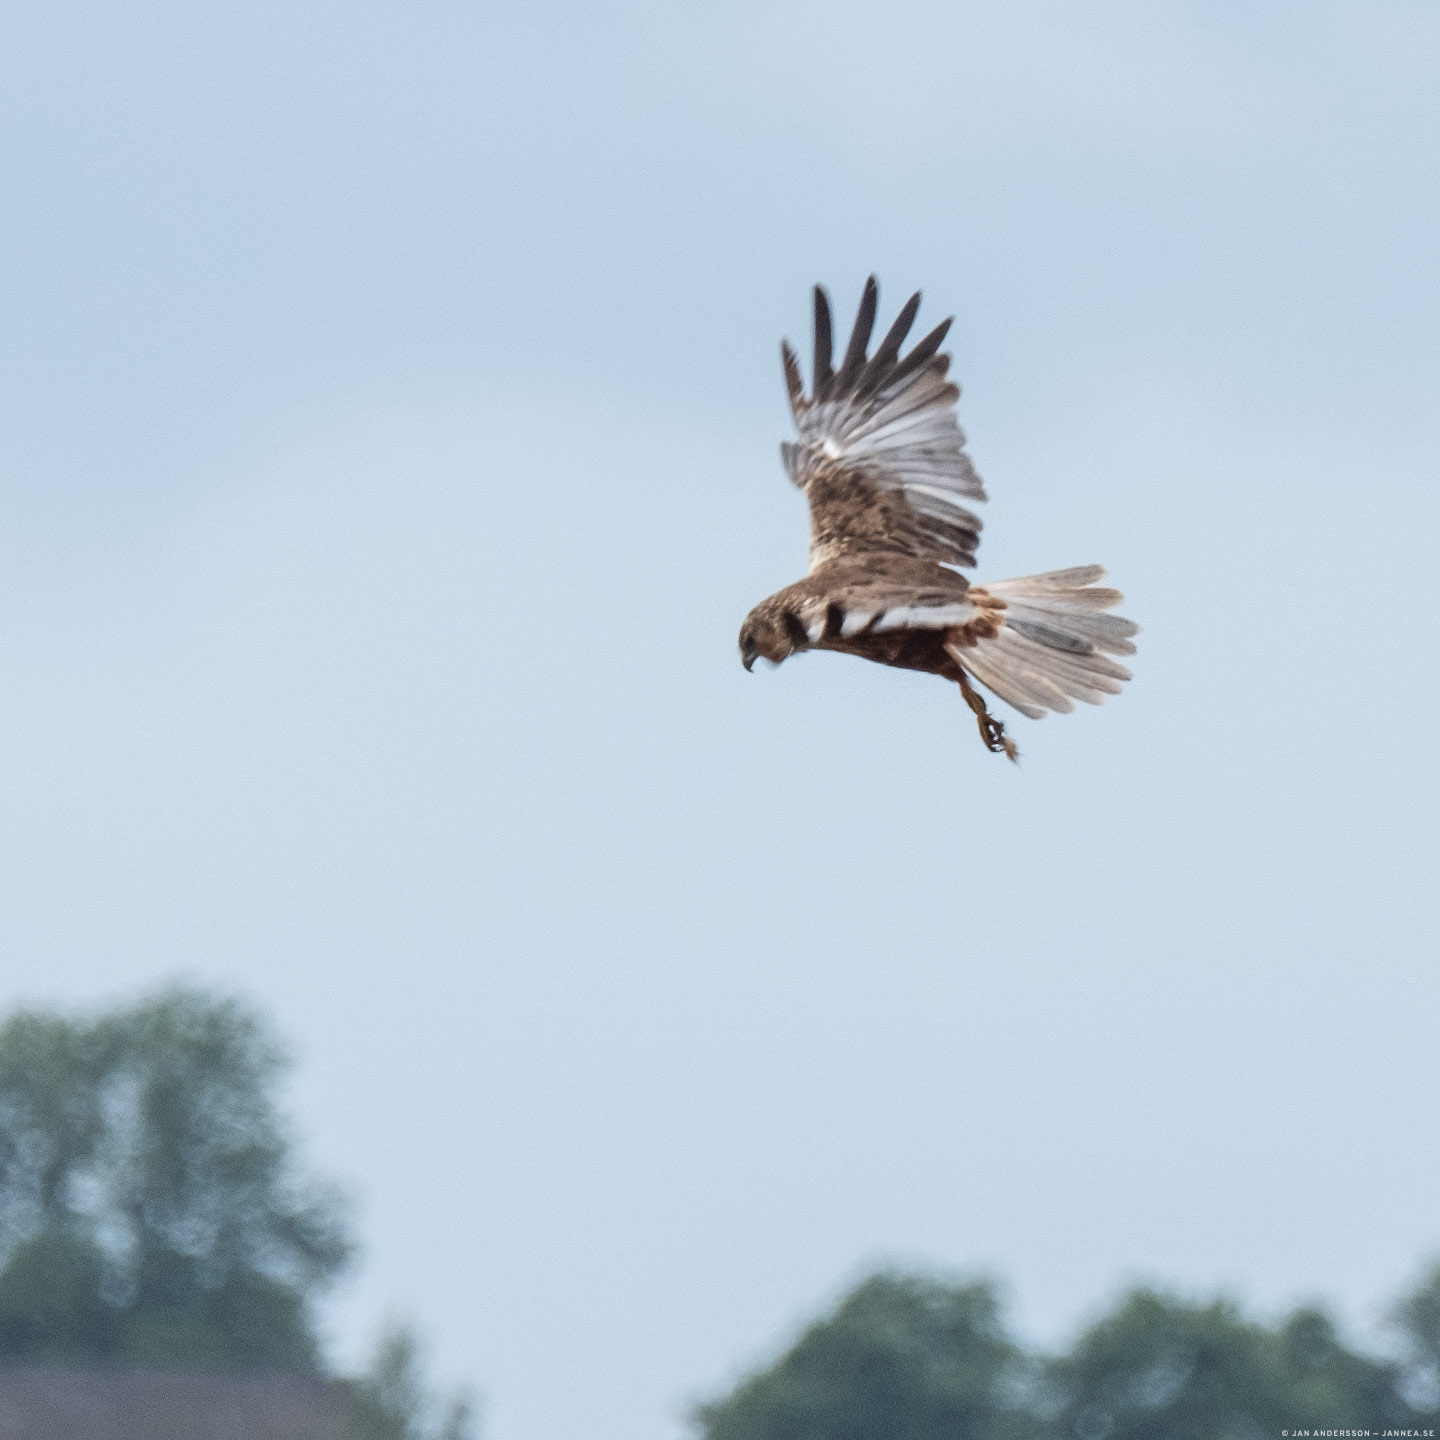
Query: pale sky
(389, 411)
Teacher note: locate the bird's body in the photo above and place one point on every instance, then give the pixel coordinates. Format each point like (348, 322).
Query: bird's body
(857, 605)
(882, 462)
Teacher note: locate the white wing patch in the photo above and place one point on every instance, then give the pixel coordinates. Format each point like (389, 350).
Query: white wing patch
(926, 617)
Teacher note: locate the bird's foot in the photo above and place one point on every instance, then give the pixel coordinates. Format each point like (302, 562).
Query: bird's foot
(992, 731)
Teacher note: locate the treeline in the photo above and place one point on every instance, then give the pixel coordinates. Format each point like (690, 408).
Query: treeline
(909, 1357)
(153, 1212)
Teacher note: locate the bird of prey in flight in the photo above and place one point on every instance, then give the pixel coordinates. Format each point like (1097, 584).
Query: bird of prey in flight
(882, 462)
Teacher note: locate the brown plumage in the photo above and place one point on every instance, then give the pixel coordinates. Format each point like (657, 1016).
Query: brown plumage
(882, 462)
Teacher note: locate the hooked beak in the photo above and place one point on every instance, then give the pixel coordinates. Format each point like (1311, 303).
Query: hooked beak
(748, 656)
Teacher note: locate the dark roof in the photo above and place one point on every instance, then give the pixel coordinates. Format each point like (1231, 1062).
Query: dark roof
(54, 1404)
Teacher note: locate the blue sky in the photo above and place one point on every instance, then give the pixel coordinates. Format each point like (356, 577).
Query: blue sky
(389, 405)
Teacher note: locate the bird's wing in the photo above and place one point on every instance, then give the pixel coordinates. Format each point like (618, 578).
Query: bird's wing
(836, 606)
(880, 455)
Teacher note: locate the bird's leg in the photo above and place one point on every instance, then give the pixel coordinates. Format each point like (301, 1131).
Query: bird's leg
(992, 732)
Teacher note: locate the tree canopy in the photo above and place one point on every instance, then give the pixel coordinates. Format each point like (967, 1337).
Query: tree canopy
(902, 1357)
(392, 1401)
(151, 1209)
(907, 1357)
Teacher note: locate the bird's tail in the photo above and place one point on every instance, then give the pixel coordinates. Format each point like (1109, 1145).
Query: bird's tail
(1053, 642)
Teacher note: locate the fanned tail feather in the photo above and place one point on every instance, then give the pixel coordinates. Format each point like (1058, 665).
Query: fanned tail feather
(1054, 642)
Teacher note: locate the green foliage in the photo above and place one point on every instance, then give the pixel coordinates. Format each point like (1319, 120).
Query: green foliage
(906, 1358)
(1159, 1366)
(149, 1210)
(1417, 1318)
(902, 1358)
(50, 1300)
(391, 1400)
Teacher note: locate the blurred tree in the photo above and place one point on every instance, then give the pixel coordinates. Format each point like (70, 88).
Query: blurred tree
(391, 1401)
(50, 1300)
(901, 1358)
(1417, 1317)
(1163, 1367)
(904, 1358)
(149, 1208)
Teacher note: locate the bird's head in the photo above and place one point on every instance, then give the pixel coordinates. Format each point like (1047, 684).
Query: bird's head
(771, 632)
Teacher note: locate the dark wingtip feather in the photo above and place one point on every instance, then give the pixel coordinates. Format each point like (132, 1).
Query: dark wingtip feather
(854, 360)
(923, 352)
(823, 345)
(889, 351)
(794, 385)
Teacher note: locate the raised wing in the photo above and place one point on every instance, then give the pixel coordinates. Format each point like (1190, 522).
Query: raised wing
(880, 455)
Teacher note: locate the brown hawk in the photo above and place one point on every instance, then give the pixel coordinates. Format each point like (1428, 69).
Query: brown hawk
(882, 461)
